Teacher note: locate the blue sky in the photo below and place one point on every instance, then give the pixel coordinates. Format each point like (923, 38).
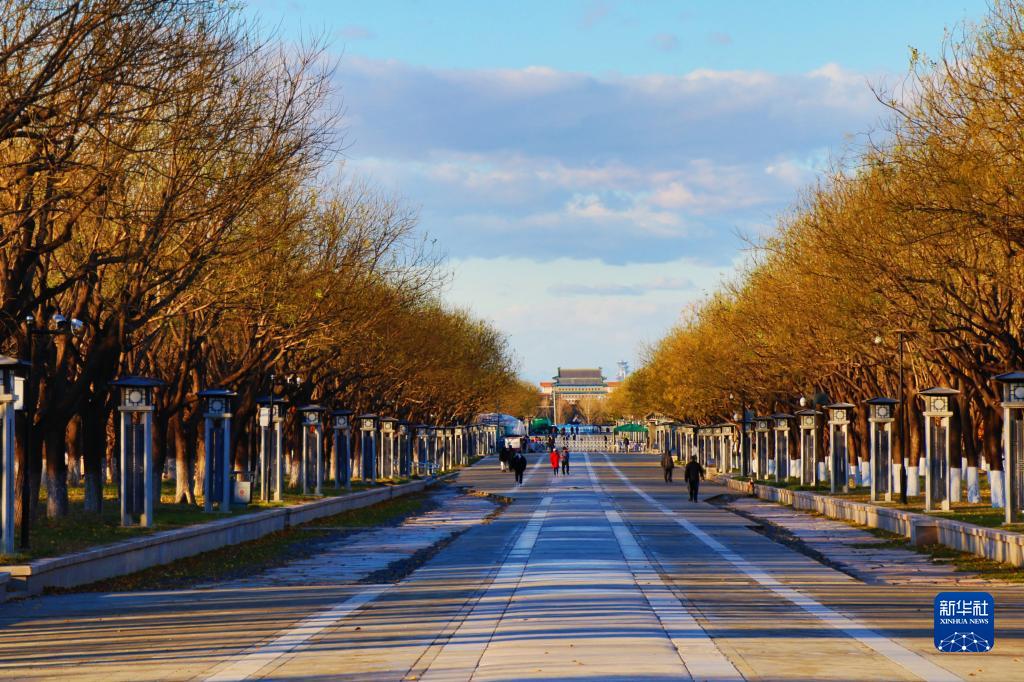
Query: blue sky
(594, 168)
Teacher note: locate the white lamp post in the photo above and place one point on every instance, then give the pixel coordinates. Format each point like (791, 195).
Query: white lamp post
(881, 419)
(781, 422)
(839, 445)
(217, 446)
(270, 417)
(342, 447)
(312, 448)
(942, 480)
(1012, 488)
(137, 475)
(368, 446)
(12, 373)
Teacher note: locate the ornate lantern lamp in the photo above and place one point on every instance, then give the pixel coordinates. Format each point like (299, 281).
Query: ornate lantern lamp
(342, 447)
(780, 425)
(810, 421)
(762, 445)
(942, 480)
(368, 446)
(686, 448)
(839, 439)
(1010, 490)
(404, 450)
(217, 445)
(137, 475)
(388, 433)
(881, 419)
(312, 448)
(270, 417)
(422, 455)
(12, 388)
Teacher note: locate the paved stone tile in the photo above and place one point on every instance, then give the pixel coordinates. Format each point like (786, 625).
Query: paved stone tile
(834, 540)
(364, 552)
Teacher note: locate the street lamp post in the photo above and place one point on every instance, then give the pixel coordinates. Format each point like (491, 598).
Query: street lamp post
(13, 384)
(942, 480)
(809, 422)
(881, 420)
(838, 441)
(217, 444)
(137, 474)
(782, 457)
(1012, 385)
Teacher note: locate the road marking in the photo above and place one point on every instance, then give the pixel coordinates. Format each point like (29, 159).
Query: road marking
(250, 661)
(459, 658)
(698, 652)
(916, 664)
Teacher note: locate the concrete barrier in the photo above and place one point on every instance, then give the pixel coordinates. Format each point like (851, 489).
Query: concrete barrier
(163, 547)
(990, 543)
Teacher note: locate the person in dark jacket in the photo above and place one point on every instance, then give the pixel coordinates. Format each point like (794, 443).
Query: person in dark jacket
(694, 474)
(504, 455)
(519, 466)
(564, 459)
(667, 464)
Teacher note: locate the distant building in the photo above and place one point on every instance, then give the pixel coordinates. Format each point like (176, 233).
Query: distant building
(569, 387)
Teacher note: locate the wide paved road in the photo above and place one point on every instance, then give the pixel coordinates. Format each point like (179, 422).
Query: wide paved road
(608, 573)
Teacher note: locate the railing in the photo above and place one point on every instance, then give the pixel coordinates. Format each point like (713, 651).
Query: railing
(599, 442)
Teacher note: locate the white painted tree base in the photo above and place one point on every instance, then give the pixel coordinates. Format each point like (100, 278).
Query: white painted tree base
(995, 484)
(973, 494)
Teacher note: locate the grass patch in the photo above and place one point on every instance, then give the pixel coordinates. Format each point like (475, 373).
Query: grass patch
(80, 530)
(276, 549)
(985, 568)
(963, 561)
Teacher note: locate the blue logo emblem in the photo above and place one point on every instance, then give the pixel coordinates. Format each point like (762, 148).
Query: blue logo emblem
(965, 622)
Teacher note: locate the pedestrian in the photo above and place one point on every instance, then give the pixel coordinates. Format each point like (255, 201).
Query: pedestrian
(519, 466)
(504, 455)
(694, 474)
(554, 461)
(667, 465)
(565, 461)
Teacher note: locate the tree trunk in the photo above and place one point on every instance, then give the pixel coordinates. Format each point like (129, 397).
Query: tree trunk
(992, 444)
(159, 454)
(73, 446)
(94, 451)
(56, 468)
(915, 438)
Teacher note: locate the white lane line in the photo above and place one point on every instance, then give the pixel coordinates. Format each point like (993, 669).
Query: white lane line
(250, 661)
(459, 658)
(916, 664)
(699, 653)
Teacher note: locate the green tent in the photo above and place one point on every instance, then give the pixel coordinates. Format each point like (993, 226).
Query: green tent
(540, 425)
(631, 428)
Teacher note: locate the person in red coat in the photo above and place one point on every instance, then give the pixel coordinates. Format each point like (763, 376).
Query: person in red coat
(554, 461)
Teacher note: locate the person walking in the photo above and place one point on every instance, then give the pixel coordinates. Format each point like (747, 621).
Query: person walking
(667, 465)
(555, 458)
(504, 455)
(694, 474)
(565, 461)
(519, 466)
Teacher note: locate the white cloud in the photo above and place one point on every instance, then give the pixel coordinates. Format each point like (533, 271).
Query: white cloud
(580, 311)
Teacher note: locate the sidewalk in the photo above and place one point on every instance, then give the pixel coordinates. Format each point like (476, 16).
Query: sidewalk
(849, 548)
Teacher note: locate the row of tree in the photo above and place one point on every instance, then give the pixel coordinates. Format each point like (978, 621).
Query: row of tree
(914, 243)
(165, 177)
